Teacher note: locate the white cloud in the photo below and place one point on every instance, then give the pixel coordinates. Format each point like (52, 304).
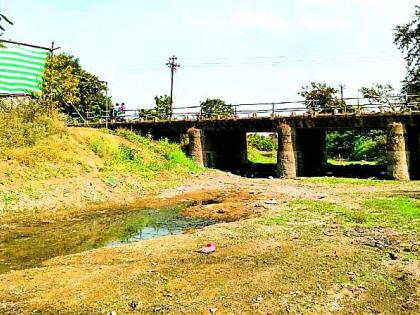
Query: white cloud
(259, 20)
(324, 23)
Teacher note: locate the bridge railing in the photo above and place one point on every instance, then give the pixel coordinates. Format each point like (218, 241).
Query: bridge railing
(345, 106)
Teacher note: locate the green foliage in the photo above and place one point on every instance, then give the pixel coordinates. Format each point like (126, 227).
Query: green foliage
(377, 93)
(369, 149)
(277, 220)
(357, 145)
(213, 107)
(262, 143)
(68, 87)
(162, 109)
(401, 213)
(320, 97)
(25, 122)
(261, 157)
(407, 39)
(146, 159)
(163, 106)
(340, 144)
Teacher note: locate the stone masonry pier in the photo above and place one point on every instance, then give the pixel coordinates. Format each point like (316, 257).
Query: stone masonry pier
(301, 150)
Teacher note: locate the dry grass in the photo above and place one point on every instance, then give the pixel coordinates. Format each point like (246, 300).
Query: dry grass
(312, 260)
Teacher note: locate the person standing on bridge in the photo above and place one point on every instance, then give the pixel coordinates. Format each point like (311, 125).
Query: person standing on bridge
(122, 110)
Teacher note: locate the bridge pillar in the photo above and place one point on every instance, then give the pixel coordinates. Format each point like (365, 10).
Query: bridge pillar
(397, 153)
(195, 146)
(286, 155)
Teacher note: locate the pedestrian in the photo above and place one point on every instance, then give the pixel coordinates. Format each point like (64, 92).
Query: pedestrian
(116, 109)
(122, 110)
(112, 111)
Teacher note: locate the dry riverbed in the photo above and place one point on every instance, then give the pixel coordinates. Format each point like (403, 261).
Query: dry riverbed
(308, 246)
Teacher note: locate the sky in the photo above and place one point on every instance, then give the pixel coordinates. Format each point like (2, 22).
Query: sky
(241, 51)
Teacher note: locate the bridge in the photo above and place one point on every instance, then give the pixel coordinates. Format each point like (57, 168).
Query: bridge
(220, 142)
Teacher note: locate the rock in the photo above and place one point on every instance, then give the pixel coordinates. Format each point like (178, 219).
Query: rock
(392, 256)
(133, 305)
(270, 177)
(270, 202)
(328, 233)
(377, 244)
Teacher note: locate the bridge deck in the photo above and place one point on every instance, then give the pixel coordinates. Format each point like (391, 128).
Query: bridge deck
(267, 124)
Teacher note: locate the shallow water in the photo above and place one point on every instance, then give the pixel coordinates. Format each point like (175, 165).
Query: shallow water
(28, 246)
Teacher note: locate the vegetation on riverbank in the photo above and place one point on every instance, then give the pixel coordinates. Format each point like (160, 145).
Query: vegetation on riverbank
(45, 165)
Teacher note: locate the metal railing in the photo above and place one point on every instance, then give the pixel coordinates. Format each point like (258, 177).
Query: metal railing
(345, 106)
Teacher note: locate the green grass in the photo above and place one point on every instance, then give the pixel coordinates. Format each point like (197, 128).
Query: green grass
(348, 181)
(400, 213)
(277, 220)
(261, 157)
(144, 157)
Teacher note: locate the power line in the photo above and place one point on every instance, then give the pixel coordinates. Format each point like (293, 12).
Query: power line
(173, 66)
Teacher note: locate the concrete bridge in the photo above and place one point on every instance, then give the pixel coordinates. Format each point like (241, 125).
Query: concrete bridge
(222, 143)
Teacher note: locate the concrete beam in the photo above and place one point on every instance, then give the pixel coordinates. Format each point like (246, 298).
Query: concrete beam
(397, 153)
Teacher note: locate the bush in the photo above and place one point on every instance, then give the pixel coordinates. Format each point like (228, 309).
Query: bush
(25, 122)
(262, 143)
(369, 145)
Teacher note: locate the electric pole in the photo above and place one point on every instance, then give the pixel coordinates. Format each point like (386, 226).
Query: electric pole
(342, 87)
(171, 64)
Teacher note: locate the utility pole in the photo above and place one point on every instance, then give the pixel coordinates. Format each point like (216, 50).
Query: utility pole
(342, 87)
(171, 64)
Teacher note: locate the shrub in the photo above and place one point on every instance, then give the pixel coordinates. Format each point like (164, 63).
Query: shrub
(352, 145)
(262, 143)
(26, 122)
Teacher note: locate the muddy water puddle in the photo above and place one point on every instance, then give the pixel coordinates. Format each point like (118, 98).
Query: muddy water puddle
(24, 247)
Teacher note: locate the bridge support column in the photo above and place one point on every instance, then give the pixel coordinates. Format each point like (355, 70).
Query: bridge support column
(286, 155)
(397, 153)
(196, 146)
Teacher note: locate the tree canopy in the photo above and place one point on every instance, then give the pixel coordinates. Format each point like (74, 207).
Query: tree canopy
(162, 109)
(68, 87)
(407, 39)
(319, 97)
(213, 107)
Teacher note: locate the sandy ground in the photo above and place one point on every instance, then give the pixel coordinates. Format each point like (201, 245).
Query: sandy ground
(311, 264)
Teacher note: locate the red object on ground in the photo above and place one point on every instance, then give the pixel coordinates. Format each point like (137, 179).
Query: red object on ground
(209, 248)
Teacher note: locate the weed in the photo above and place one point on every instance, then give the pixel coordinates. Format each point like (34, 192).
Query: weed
(9, 198)
(401, 213)
(277, 220)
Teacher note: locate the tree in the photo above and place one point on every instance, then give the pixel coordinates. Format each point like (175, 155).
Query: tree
(213, 107)
(67, 87)
(163, 106)
(5, 19)
(379, 94)
(407, 39)
(319, 97)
